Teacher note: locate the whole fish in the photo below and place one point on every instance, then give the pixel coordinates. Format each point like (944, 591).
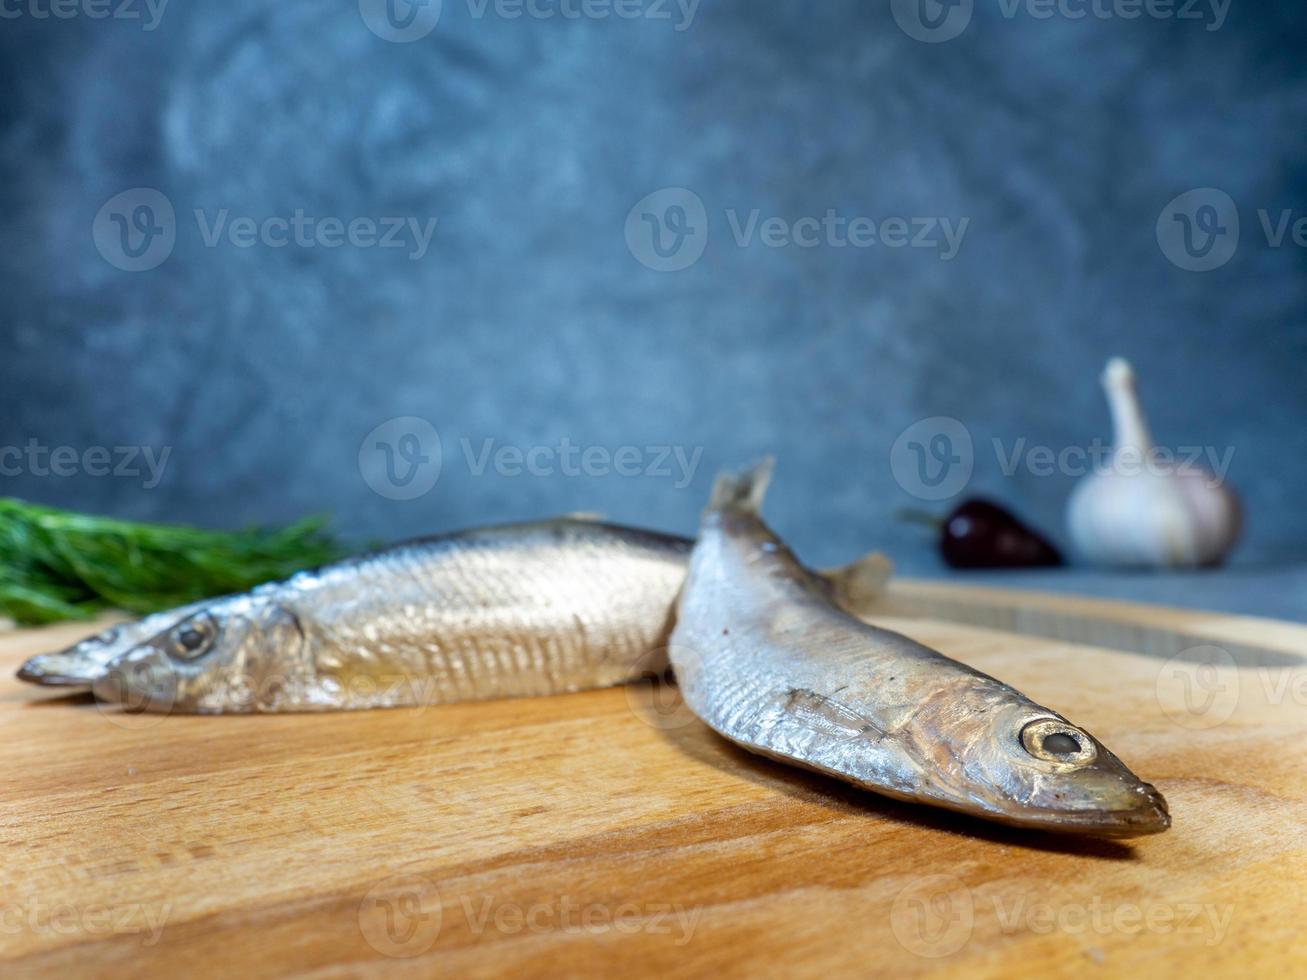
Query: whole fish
(494, 612)
(508, 611)
(765, 657)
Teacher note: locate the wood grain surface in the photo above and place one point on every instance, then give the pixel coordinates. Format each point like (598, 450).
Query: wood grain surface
(610, 833)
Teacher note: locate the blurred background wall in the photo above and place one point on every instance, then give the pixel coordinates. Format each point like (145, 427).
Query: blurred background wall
(554, 303)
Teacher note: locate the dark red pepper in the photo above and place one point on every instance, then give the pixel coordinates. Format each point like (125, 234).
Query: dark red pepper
(981, 534)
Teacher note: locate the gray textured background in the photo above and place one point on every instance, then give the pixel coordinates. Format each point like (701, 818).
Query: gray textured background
(529, 319)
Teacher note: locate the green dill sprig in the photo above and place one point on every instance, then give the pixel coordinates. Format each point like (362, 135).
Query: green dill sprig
(58, 564)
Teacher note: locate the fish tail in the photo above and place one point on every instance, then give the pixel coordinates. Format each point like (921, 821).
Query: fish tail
(742, 492)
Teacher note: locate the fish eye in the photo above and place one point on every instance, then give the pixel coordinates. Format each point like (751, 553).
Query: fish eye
(193, 637)
(1060, 743)
(1056, 741)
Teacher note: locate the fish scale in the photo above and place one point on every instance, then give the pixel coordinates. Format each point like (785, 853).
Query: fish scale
(504, 608)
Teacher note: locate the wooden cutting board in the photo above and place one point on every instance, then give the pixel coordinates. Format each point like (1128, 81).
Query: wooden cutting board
(611, 832)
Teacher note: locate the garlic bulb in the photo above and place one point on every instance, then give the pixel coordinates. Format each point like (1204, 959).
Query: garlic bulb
(1143, 508)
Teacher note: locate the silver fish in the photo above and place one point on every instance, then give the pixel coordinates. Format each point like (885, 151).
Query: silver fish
(765, 657)
(513, 610)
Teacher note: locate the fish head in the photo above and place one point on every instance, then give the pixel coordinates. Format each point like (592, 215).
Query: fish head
(1022, 764)
(236, 655)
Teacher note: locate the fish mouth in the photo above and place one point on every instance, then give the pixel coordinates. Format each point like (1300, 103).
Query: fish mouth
(34, 671)
(1150, 816)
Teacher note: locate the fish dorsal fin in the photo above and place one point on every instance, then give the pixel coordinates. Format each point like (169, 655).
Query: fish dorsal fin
(859, 584)
(589, 516)
(826, 716)
(743, 491)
